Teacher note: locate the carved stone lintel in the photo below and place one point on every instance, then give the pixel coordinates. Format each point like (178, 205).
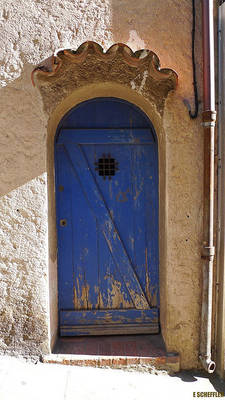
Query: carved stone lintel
(69, 70)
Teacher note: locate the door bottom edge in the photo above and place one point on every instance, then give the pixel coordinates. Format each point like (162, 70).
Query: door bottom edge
(98, 330)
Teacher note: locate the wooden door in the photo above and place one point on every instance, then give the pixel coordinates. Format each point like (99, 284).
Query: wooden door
(107, 224)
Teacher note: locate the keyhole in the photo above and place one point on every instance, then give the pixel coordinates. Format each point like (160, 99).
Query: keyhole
(63, 222)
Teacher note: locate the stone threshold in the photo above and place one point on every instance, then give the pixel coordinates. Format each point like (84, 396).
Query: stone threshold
(144, 352)
(170, 363)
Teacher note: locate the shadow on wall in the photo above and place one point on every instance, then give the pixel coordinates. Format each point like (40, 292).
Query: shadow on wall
(23, 220)
(23, 133)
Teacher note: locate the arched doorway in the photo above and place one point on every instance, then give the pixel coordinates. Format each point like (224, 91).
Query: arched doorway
(106, 168)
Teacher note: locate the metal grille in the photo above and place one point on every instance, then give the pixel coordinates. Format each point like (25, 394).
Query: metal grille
(106, 166)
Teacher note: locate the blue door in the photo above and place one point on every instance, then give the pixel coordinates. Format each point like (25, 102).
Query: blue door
(107, 220)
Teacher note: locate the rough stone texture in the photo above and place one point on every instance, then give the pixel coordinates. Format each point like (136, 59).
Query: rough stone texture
(30, 31)
(23, 268)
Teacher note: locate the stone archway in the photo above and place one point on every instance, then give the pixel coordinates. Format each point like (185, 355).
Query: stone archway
(70, 77)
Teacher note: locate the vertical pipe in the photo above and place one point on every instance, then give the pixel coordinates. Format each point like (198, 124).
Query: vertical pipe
(208, 55)
(220, 278)
(209, 118)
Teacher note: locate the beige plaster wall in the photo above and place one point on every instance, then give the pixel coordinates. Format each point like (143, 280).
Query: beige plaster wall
(30, 31)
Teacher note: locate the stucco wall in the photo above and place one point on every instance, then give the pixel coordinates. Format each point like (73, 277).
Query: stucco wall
(30, 31)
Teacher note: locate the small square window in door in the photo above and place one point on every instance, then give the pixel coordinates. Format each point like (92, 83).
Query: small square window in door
(106, 166)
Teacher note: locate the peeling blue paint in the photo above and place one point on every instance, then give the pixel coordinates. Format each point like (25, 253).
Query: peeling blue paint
(108, 248)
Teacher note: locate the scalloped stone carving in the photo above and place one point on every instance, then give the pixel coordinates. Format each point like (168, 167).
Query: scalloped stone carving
(68, 70)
